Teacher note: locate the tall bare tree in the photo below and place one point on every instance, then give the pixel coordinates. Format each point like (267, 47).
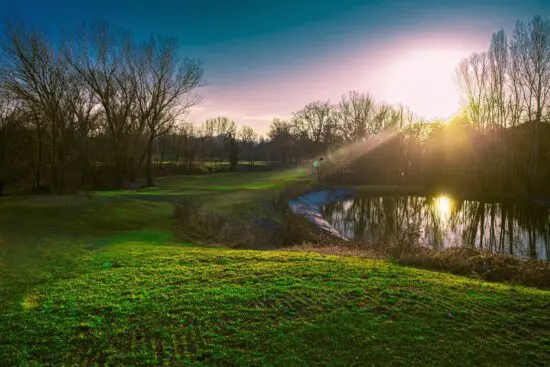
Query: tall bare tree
(516, 91)
(84, 114)
(498, 68)
(531, 46)
(164, 86)
(473, 82)
(10, 124)
(35, 74)
(102, 57)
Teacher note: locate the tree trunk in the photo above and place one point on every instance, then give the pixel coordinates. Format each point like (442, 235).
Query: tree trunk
(233, 155)
(38, 170)
(148, 165)
(536, 150)
(190, 156)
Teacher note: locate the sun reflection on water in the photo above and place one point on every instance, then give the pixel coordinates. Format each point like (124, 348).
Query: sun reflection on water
(443, 206)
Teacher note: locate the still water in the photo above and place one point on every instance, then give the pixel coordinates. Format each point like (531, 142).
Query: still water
(518, 228)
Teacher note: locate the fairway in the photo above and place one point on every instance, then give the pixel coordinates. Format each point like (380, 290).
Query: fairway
(106, 280)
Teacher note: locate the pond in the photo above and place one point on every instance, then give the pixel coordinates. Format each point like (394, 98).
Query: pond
(440, 221)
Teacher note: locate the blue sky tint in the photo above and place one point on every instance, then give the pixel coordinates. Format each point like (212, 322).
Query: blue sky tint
(266, 59)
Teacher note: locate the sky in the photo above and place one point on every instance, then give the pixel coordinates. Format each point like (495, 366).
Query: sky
(268, 58)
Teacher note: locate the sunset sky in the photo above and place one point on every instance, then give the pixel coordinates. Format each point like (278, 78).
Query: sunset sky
(266, 59)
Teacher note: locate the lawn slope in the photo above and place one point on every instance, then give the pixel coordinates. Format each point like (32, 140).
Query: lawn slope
(104, 281)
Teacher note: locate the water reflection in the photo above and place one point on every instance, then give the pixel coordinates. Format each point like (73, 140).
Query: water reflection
(519, 229)
(443, 206)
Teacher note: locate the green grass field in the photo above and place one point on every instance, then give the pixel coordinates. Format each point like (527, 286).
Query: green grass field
(105, 281)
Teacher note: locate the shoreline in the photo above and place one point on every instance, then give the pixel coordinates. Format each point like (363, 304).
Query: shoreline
(309, 206)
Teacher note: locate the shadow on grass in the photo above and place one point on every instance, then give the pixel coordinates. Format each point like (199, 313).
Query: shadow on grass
(41, 242)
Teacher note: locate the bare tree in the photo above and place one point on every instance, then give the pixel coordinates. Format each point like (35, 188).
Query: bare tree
(356, 113)
(247, 134)
(387, 117)
(219, 132)
(10, 123)
(187, 133)
(531, 46)
(163, 90)
(103, 59)
(282, 138)
(473, 80)
(223, 127)
(248, 137)
(516, 93)
(84, 115)
(498, 67)
(315, 120)
(35, 74)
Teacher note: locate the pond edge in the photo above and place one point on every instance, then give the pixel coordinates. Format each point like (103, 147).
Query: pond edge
(310, 207)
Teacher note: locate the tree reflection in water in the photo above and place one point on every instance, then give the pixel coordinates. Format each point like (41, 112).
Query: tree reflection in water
(520, 229)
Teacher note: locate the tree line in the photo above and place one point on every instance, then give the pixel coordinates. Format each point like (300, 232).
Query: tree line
(97, 109)
(307, 135)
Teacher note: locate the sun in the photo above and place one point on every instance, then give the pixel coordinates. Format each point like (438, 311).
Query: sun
(424, 80)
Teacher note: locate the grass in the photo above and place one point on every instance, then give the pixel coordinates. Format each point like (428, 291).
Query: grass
(43, 237)
(104, 281)
(220, 191)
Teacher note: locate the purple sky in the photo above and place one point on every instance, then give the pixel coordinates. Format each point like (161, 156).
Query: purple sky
(415, 69)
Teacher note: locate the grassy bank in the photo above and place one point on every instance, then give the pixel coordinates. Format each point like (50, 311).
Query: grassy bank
(44, 237)
(106, 280)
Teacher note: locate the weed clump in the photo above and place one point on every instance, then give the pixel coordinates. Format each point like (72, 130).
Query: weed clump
(477, 263)
(227, 229)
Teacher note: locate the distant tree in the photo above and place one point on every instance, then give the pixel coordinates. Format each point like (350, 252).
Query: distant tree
(247, 135)
(187, 136)
(316, 121)
(387, 117)
(233, 154)
(220, 131)
(282, 138)
(356, 113)
(248, 138)
(223, 127)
